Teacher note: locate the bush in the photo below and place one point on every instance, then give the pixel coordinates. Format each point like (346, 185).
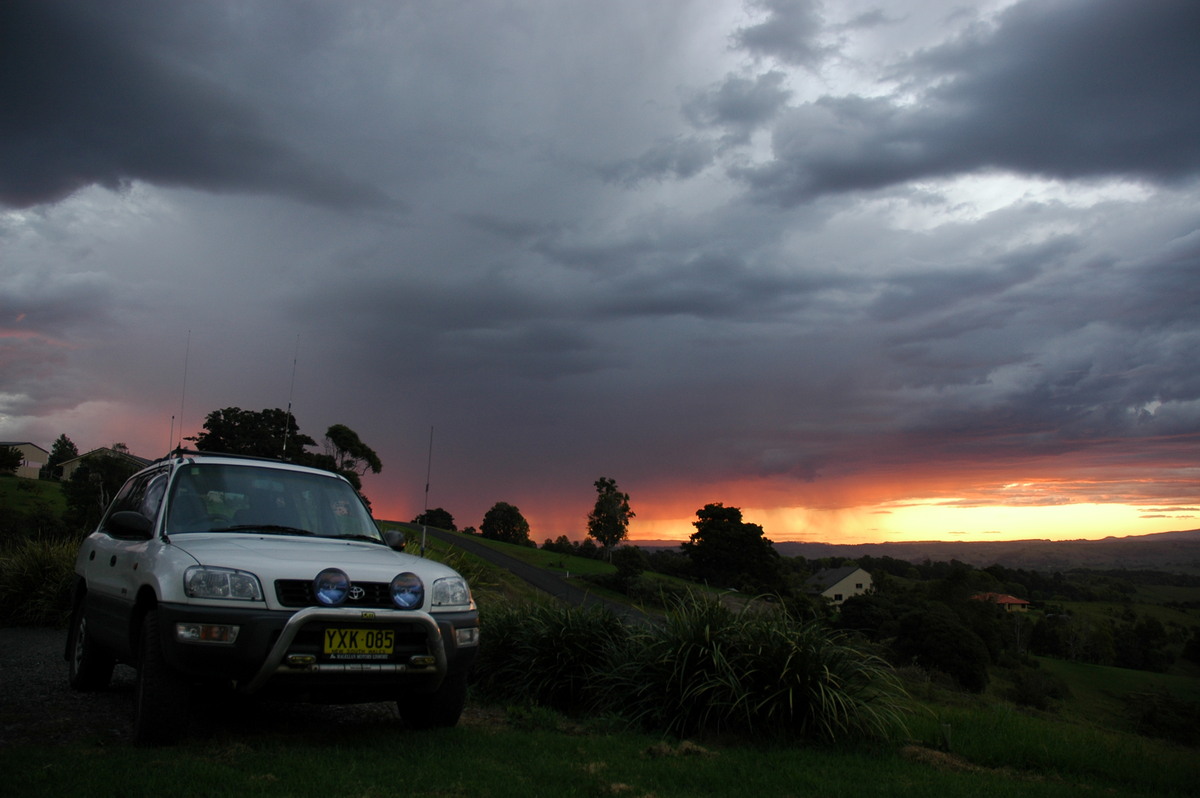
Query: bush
(711, 670)
(35, 582)
(707, 670)
(545, 654)
(1164, 716)
(1037, 689)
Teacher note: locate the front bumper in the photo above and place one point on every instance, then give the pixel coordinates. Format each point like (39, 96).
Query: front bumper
(281, 652)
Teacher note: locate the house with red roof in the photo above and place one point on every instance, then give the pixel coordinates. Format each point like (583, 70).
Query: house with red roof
(1007, 603)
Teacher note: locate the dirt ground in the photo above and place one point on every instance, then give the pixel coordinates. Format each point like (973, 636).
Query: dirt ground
(37, 706)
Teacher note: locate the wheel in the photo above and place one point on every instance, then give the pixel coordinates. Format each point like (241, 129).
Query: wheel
(161, 696)
(439, 709)
(89, 666)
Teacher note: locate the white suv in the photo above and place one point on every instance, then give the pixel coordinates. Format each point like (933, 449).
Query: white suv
(271, 578)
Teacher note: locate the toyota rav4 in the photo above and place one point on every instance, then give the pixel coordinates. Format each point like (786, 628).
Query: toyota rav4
(269, 578)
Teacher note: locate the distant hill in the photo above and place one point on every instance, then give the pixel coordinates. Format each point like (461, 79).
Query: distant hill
(1174, 552)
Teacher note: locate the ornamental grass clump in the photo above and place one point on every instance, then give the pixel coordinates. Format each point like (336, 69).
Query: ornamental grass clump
(35, 582)
(546, 654)
(710, 669)
(705, 670)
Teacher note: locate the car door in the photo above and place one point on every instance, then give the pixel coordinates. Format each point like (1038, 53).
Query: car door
(111, 566)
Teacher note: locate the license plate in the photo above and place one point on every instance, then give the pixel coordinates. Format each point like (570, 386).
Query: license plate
(359, 643)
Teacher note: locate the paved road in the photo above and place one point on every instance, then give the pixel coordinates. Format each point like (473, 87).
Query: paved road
(557, 586)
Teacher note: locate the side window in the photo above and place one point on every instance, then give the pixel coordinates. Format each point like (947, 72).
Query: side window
(143, 493)
(153, 496)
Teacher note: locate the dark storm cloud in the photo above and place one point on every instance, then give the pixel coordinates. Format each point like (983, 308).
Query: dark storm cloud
(789, 32)
(739, 104)
(88, 99)
(1065, 89)
(581, 288)
(676, 158)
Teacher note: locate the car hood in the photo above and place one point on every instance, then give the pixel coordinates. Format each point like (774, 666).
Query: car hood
(298, 557)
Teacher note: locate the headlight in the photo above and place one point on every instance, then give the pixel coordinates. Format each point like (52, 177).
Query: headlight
(452, 591)
(408, 592)
(331, 587)
(221, 583)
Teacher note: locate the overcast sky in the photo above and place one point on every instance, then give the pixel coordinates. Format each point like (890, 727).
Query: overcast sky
(803, 258)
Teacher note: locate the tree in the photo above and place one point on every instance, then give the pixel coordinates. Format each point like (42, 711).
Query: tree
(92, 486)
(727, 551)
(608, 522)
(437, 518)
(505, 523)
(10, 459)
(62, 450)
(263, 434)
(935, 639)
(349, 452)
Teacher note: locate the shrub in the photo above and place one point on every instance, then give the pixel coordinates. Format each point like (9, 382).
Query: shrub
(35, 582)
(1037, 689)
(546, 654)
(706, 670)
(713, 670)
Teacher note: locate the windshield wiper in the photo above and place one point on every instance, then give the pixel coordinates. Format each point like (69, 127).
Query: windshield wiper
(366, 538)
(274, 529)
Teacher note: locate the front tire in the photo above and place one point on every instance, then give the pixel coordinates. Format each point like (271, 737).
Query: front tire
(89, 666)
(161, 696)
(439, 709)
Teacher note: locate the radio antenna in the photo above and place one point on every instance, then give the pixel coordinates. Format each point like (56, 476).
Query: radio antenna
(287, 421)
(425, 512)
(187, 352)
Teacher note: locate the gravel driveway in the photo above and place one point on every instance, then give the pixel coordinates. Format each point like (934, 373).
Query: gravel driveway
(37, 707)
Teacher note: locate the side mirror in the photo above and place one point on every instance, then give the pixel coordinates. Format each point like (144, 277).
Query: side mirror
(130, 524)
(395, 539)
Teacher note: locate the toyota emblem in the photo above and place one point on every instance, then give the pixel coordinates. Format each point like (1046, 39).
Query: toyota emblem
(357, 593)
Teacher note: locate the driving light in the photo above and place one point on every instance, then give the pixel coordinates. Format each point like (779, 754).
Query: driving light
(221, 583)
(408, 592)
(331, 587)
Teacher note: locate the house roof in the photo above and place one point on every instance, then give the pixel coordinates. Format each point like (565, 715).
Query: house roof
(22, 443)
(823, 580)
(106, 451)
(999, 598)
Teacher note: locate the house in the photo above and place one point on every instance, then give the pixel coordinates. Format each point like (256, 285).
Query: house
(68, 466)
(1007, 603)
(839, 584)
(33, 457)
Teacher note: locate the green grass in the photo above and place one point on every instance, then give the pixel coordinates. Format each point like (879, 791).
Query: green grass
(23, 495)
(542, 755)
(1108, 610)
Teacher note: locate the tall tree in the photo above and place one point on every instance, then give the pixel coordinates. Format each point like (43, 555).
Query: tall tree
(92, 486)
(505, 523)
(608, 522)
(350, 453)
(727, 551)
(232, 430)
(437, 518)
(62, 450)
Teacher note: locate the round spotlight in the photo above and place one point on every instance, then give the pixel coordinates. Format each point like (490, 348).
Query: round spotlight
(331, 587)
(407, 591)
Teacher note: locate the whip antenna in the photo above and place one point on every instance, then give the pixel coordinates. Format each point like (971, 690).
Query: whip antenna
(425, 512)
(187, 351)
(287, 421)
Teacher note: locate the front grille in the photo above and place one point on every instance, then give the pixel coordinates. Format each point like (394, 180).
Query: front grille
(298, 593)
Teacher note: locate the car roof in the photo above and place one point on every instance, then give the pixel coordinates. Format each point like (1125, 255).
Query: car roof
(182, 456)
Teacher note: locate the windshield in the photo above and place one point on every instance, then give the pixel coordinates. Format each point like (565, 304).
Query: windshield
(211, 497)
